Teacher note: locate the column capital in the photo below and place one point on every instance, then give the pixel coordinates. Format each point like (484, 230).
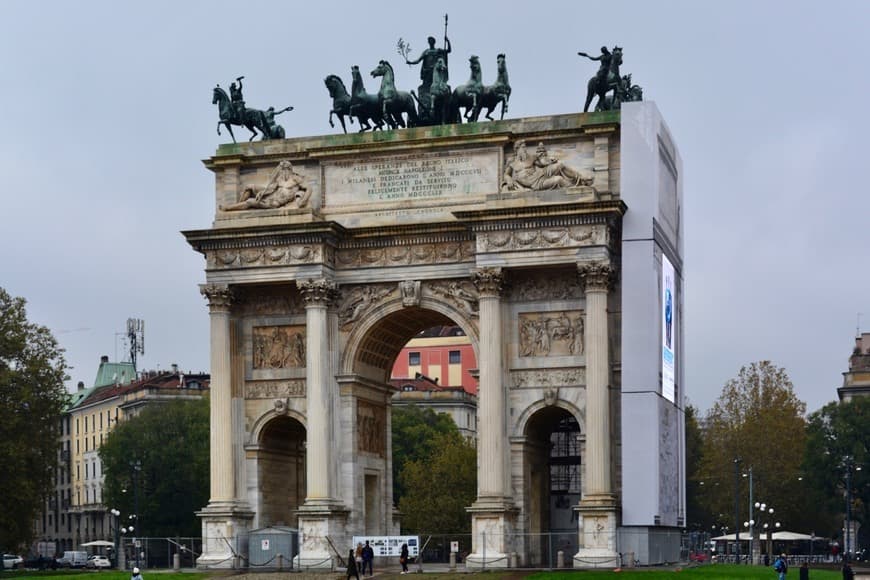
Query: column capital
(596, 276)
(489, 281)
(219, 296)
(318, 292)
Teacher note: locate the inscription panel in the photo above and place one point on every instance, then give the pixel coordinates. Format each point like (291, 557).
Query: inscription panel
(410, 177)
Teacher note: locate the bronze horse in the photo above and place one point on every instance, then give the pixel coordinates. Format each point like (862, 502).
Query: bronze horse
(468, 95)
(492, 95)
(394, 103)
(341, 100)
(252, 118)
(364, 106)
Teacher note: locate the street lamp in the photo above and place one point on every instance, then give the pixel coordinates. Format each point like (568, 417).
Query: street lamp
(849, 463)
(119, 555)
(136, 467)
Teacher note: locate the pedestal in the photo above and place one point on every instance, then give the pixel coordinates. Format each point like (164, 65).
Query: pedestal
(597, 528)
(222, 525)
(492, 529)
(320, 523)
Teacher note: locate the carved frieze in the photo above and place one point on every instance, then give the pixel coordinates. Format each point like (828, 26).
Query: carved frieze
(460, 293)
(285, 188)
(371, 428)
(550, 286)
(542, 238)
(551, 333)
(288, 255)
(278, 390)
(411, 254)
(278, 347)
(526, 379)
(358, 300)
(260, 302)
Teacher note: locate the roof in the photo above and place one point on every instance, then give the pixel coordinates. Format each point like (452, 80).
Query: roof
(111, 373)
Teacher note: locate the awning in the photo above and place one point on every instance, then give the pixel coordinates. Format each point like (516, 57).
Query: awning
(99, 543)
(782, 536)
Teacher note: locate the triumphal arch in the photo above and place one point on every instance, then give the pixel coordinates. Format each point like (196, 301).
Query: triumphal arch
(554, 242)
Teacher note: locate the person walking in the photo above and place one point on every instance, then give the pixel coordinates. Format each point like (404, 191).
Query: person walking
(358, 555)
(848, 574)
(368, 554)
(781, 566)
(403, 558)
(352, 570)
(804, 572)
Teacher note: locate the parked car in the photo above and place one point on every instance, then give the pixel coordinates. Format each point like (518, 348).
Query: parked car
(98, 562)
(11, 561)
(73, 559)
(40, 563)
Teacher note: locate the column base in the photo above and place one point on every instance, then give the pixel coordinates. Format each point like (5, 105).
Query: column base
(493, 523)
(321, 521)
(597, 521)
(224, 524)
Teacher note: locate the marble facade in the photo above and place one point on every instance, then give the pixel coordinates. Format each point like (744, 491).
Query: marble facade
(402, 231)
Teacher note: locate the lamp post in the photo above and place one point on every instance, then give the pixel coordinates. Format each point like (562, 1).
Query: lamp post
(136, 467)
(119, 554)
(737, 506)
(849, 463)
(751, 523)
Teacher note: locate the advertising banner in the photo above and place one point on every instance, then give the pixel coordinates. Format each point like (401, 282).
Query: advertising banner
(669, 325)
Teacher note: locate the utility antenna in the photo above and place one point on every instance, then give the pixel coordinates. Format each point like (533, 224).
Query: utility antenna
(858, 327)
(136, 336)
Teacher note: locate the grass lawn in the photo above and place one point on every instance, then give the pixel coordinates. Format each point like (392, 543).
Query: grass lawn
(708, 572)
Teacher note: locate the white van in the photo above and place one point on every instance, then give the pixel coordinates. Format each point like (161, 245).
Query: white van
(73, 559)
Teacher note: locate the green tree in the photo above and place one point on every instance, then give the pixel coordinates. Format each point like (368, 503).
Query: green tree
(839, 435)
(32, 396)
(170, 442)
(759, 421)
(416, 433)
(698, 516)
(440, 488)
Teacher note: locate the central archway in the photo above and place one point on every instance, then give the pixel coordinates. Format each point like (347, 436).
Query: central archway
(371, 347)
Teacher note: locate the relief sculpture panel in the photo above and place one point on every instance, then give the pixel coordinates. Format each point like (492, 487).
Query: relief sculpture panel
(278, 347)
(371, 422)
(551, 333)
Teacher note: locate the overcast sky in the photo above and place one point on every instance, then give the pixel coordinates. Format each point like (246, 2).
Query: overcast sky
(107, 113)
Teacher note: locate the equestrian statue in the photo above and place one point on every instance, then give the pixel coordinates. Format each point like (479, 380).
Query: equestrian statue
(608, 79)
(232, 111)
(394, 103)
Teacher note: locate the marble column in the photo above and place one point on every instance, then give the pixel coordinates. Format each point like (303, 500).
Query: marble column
(322, 516)
(493, 513)
(226, 518)
(317, 295)
(220, 298)
(597, 509)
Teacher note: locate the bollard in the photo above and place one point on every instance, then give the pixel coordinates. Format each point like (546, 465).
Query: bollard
(629, 560)
(512, 562)
(560, 559)
(176, 561)
(452, 561)
(280, 561)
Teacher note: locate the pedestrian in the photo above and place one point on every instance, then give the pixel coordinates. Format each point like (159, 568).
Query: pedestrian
(368, 554)
(781, 566)
(403, 558)
(352, 570)
(847, 570)
(358, 555)
(136, 574)
(804, 572)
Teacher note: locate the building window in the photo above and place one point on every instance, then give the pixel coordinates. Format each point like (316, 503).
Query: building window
(414, 359)
(455, 357)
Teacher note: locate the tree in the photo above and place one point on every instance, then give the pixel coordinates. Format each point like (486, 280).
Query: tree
(758, 421)
(32, 396)
(170, 442)
(416, 432)
(698, 515)
(440, 488)
(839, 435)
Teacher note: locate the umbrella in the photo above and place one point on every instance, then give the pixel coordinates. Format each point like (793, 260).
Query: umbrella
(100, 543)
